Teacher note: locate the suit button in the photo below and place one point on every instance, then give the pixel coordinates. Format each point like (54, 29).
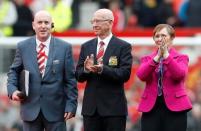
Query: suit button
(41, 96)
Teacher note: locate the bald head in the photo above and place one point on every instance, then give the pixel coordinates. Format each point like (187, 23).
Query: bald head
(102, 22)
(42, 25)
(43, 13)
(104, 14)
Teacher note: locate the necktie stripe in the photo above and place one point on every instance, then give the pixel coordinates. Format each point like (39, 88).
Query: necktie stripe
(41, 46)
(41, 49)
(41, 66)
(41, 57)
(41, 61)
(100, 54)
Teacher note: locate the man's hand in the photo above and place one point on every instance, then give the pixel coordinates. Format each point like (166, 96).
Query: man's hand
(88, 63)
(98, 68)
(18, 96)
(68, 115)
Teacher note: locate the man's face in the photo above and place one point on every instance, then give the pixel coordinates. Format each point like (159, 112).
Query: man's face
(101, 25)
(42, 25)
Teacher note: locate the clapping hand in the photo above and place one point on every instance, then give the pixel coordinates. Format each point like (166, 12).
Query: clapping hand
(90, 67)
(99, 67)
(89, 63)
(162, 51)
(163, 48)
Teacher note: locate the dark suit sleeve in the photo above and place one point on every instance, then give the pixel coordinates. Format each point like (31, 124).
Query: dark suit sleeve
(70, 82)
(123, 71)
(81, 76)
(15, 69)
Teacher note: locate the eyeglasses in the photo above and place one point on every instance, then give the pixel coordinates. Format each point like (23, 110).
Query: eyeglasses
(160, 35)
(98, 21)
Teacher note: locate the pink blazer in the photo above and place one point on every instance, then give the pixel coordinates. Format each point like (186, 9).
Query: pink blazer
(175, 70)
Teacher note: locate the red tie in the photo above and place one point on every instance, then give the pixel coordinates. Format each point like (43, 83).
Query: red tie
(100, 54)
(41, 58)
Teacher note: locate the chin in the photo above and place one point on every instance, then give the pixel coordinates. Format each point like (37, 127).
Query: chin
(44, 37)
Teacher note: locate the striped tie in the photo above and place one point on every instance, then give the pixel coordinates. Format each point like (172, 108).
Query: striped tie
(100, 54)
(160, 78)
(41, 57)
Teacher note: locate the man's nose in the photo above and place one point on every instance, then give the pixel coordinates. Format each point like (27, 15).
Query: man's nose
(43, 25)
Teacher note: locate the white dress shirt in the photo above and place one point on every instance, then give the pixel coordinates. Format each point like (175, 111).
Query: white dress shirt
(46, 48)
(106, 42)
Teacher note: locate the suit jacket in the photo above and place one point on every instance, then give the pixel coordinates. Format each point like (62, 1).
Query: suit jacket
(175, 70)
(53, 94)
(105, 91)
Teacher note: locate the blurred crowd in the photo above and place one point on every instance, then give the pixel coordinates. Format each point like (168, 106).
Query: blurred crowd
(16, 15)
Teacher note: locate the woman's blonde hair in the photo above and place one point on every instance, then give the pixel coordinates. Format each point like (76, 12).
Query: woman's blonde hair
(169, 28)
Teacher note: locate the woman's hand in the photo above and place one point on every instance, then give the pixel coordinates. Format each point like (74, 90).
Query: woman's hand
(162, 51)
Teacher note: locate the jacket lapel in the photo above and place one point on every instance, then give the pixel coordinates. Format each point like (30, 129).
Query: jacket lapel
(93, 49)
(33, 58)
(50, 57)
(109, 50)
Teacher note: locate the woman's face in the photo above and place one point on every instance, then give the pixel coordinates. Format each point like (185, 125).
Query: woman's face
(162, 37)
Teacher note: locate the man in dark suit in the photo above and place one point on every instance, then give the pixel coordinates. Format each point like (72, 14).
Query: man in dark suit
(52, 95)
(105, 64)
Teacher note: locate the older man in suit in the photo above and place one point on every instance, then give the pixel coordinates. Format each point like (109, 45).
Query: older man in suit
(52, 95)
(105, 64)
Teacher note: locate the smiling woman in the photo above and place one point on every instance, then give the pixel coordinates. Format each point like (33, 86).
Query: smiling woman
(164, 72)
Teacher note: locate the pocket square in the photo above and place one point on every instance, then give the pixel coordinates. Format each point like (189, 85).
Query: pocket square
(55, 62)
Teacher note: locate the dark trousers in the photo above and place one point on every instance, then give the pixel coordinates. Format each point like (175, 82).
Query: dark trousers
(104, 123)
(40, 123)
(160, 118)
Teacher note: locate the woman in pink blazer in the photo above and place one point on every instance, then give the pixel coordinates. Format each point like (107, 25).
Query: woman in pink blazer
(164, 102)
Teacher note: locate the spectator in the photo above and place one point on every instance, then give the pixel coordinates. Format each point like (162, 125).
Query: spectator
(166, 14)
(75, 13)
(145, 10)
(23, 26)
(37, 5)
(61, 13)
(182, 13)
(8, 16)
(194, 15)
(119, 19)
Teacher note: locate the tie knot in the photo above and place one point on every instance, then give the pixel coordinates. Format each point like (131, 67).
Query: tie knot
(101, 43)
(42, 45)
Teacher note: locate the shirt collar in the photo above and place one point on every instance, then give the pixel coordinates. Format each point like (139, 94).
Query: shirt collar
(46, 43)
(106, 40)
